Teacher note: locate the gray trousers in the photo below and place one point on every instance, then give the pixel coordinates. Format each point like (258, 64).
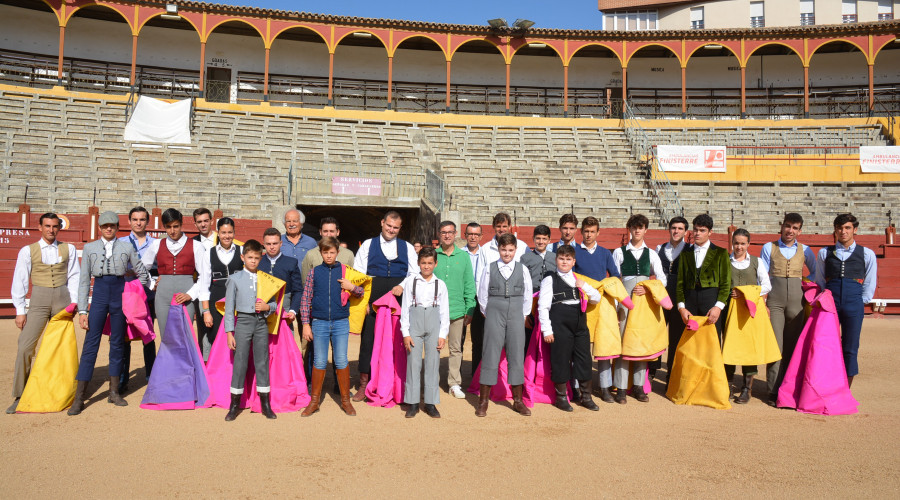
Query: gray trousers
(250, 329)
(45, 303)
(638, 368)
(424, 325)
(167, 287)
(786, 305)
(504, 326)
(454, 342)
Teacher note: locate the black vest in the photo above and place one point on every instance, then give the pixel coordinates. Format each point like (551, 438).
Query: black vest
(853, 268)
(219, 271)
(670, 267)
(561, 290)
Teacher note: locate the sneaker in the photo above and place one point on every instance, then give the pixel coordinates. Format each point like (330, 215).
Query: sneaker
(457, 392)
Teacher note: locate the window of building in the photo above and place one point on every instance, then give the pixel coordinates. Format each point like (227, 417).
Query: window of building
(848, 11)
(640, 20)
(807, 12)
(757, 15)
(885, 10)
(697, 18)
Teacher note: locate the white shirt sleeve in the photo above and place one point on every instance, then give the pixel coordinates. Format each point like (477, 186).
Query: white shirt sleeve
(444, 306)
(820, 268)
(658, 270)
(762, 277)
(361, 261)
(593, 294)
(618, 258)
(413, 259)
(480, 264)
(482, 289)
(204, 275)
(405, 303)
(149, 257)
(20, 279)
(545, 300)
(199, 252)
(526, 304)
(73, 274)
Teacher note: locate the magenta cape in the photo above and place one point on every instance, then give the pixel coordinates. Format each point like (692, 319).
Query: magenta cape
(385, 388)
(286, 377)
(539, 388)
(178, 380)
(139, 323)
(816, 380)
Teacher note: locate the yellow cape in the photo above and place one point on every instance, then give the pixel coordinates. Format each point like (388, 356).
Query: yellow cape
(51, 385)
(602, 319)
(645, 331)
(268, 287)
(698, 374)
(749, 340)
(358, 305)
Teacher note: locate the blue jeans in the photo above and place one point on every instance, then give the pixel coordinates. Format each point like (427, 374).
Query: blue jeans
(335, 332)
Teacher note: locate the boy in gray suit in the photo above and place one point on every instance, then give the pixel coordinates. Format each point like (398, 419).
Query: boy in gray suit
(240, 301)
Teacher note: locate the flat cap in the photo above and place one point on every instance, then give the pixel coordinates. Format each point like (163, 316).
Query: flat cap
(108, 217)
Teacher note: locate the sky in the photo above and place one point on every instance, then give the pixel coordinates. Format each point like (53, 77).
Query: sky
(561, 14)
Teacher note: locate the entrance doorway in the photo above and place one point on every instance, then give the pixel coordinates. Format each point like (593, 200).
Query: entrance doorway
(360, 223)
(218, 85)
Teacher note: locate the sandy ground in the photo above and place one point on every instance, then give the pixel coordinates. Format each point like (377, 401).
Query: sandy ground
(652, 450)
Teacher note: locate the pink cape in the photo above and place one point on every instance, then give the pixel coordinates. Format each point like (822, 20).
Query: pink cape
(385, 388)
(139, 323)
(539, 387)
(501, 391)
(816, 380)
(286, 377)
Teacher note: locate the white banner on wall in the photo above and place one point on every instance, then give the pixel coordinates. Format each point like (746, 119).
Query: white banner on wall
(158, 121)
(691, 158)
(879, 159)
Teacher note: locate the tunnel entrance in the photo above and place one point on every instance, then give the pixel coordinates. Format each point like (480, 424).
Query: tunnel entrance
(360, 223)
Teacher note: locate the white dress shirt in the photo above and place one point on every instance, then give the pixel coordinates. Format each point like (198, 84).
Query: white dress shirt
(175, 247)
(655, 263)
(389, 250)
(506, 270)
(205, 270)
(671, 252)
(210, 241)
(425, 298)
(699, 255)
(49, 255)
(108, 246)
(490, 253)
(473, 256)
(545, 298)
(762, 272)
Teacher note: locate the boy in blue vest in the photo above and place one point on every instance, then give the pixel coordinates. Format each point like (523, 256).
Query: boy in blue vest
(325, 313)
(848, 270)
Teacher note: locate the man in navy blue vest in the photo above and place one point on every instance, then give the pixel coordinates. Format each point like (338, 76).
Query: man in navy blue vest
(848, 270)
(284, 268)
(389, 260)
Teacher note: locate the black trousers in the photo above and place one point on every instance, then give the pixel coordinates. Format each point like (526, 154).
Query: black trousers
(570, 352)
(380, 286)
(698, 301)
(149, 348)
(476, 332)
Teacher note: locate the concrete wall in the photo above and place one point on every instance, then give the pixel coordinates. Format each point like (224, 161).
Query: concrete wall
(720, 14)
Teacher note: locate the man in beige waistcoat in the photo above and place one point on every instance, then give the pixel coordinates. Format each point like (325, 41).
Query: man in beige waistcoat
(785, 259)
(52, 269)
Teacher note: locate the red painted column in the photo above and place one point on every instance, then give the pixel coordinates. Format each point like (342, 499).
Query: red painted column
(390, 84)
(266, 78)
(507, 88)
(566, 90)
(202, 67)
(331, 78)
(683, 92)
(743, 92)
(62, 45)
(134, 41)
(447, 107)
(806, 91)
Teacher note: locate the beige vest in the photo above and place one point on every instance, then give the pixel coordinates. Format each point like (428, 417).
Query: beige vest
(786, 268)
(49, 275)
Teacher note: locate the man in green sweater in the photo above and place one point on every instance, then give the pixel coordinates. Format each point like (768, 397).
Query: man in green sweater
(455, 268)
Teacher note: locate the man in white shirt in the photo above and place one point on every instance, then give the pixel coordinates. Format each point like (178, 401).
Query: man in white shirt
(203, 220)
(389, 260)
(668, 255)
(53, 271)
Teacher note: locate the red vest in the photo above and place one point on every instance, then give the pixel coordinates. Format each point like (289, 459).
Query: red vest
(183, 263)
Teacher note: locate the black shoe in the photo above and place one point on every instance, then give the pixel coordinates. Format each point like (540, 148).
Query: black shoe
(12, 407)
(412, 411)
(587, 400)
(639, 394)
(432, 411)
(265, 406)
(562, 400)
(606, 396)
(620, 396)
(772, 400)
(576, 393)
(235, 408)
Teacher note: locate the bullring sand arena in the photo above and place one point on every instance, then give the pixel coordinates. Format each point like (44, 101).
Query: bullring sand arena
(642, 450)
(747, 112)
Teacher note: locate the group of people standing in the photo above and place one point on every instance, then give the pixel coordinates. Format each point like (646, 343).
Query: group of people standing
(496, 294)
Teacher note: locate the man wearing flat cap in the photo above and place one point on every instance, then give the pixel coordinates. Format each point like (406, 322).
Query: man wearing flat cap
(106, 261)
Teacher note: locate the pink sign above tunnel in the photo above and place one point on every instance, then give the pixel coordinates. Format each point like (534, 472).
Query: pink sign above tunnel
(356, 185)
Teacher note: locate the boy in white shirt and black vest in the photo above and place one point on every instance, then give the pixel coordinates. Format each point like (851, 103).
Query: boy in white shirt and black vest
(425, 324)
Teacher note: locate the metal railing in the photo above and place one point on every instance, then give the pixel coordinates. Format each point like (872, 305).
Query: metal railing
(434, 190)
(663, 195)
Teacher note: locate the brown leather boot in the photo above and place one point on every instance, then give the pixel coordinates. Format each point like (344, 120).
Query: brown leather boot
(114, 396)
(343, 378)
(78, 404)
(484, 396)
(744, 396)
(360, 395)
(518, 405)
(318, 377)
(850, 381)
